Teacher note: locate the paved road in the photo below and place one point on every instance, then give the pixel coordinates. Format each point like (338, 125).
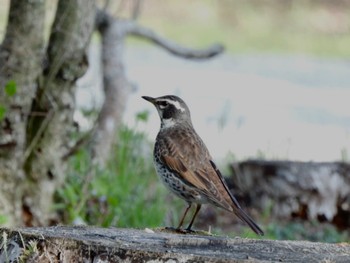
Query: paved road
(294, 107)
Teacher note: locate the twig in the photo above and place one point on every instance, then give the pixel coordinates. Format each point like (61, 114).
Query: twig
(79, 144)
(38, 135)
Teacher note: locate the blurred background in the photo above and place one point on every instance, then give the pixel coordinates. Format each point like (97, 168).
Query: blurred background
(280, 91)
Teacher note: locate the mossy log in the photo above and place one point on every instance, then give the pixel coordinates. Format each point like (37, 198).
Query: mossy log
(92, 244)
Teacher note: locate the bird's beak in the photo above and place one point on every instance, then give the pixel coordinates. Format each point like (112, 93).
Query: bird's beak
(150, 99)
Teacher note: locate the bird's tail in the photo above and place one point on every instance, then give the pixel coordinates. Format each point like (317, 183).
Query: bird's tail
(246, 218)
(235, 207)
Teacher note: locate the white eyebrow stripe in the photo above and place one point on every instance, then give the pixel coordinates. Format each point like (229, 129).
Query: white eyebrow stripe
(176, 104)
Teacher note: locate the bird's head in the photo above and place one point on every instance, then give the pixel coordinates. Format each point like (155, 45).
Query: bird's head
(171, 109)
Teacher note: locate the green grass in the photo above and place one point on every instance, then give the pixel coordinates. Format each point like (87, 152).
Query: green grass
(313, 231)
(124, 194)
(293, 230)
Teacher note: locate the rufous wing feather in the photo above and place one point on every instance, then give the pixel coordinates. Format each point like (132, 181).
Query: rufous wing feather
(186, 175)
(201, 180)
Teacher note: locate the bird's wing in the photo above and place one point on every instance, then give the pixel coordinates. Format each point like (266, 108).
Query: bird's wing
(186, 175)
(222, 180)
(190, 160)
(205, 180)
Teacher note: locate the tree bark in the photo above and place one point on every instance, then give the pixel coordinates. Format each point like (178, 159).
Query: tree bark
(39, 116)
(20, 63)
(49, 131)
(88, 244)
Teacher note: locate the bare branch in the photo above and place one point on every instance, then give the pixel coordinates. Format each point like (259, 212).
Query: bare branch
(79, 144)
(172, 47)
(129, 27)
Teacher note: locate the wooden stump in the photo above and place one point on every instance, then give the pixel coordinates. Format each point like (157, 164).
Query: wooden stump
(92, 244)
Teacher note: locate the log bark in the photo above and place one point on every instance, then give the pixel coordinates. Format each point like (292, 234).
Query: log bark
(90, 244)
(308, 190)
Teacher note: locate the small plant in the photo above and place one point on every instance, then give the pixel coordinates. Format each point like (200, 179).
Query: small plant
(30, 252)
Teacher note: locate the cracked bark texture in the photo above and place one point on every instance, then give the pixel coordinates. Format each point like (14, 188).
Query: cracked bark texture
(20, 61)
(91, 244)
(39, 117)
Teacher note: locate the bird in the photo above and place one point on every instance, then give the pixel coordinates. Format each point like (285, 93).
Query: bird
(185, 166)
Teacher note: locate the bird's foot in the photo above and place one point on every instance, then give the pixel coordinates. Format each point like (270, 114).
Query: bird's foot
(189, 230)
(180, 230)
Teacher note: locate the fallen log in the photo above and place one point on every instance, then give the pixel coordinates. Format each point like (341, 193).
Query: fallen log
(307, 190)
(93, 244)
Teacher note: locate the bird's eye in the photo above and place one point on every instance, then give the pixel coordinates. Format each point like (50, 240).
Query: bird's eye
(163, 104)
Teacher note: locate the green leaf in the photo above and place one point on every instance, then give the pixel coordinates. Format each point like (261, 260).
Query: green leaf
(3, 219)
(11, 88)
(2, 112)
(142, 116)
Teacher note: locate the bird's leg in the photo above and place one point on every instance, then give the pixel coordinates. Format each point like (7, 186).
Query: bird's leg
(183, 217)
(194, 216)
